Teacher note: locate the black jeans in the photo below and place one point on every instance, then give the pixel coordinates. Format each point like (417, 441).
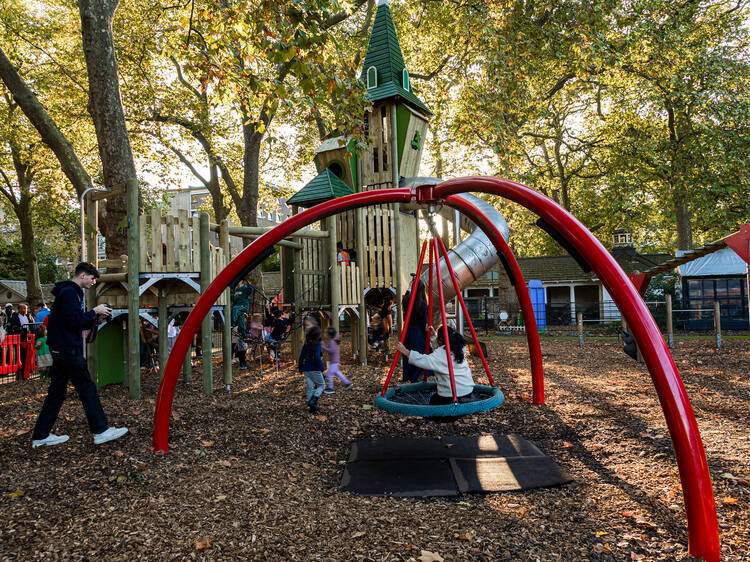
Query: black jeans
(69, 365)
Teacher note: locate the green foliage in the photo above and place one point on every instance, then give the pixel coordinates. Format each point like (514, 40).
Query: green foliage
(11, 261)
(272, 262)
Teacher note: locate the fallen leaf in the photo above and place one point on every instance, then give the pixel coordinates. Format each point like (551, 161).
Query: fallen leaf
(627, 514)
(359, 534)
(369, 407)
(729, 500)
(15, 495)
(207, 443)
(427, 556)
(175, 416)
(220, 498)
(467, 536)
(225, 463)
(601, 533)
(200, 545)
(566, 444)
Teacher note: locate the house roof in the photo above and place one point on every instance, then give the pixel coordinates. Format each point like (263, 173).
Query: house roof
(565, 268)
(722, 262)
(323, 187)
(18, 288)
(384, 53)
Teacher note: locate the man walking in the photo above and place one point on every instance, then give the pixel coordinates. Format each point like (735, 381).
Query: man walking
(66, 322)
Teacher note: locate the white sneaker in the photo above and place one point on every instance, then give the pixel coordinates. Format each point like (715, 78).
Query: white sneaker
(109, 434)
(49, 441)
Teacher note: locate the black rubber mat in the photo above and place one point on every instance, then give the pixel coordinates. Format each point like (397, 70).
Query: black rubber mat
(409, 477)
(446, 466)
(507, 474)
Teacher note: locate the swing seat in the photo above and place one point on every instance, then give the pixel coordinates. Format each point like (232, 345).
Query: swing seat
(413, 400)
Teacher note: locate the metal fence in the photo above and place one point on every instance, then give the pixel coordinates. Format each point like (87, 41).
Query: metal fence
(486, 315)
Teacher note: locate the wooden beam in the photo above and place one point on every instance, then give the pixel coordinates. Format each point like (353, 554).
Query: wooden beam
(134, 248)
(227, 334)
(207, 340)
(258, 230)
(114, 191)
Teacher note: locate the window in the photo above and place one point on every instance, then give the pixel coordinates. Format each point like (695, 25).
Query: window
(721, 288)
(384, 124)
(372, 77)
(385, 159)
(694, 288)
(336, 169)
(734, 288)
(405, 79)
(375, 163)
(708, 288)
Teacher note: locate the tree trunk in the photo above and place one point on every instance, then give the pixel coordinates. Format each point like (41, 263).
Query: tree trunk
(682, 222)
(247, 209)
(31, 264)
(45, 126)
(105, 107)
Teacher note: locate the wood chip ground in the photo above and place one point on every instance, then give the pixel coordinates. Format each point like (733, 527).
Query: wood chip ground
(252, 476)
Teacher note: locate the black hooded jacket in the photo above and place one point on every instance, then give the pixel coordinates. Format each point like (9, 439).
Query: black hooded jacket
(68, 318)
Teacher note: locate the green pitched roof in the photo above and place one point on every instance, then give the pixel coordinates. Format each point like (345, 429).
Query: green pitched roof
(326, 185)
(384, 53)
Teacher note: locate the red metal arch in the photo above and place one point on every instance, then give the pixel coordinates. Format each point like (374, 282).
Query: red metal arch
(703, 529)
(699, 502)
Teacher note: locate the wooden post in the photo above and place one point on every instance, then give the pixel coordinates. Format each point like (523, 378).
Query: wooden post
(717, 323)
(362, 321)
(92, 256)
(227, 335)
(334, 272)
(187, 366)
(207, 341)
(397, 229)
(670, 327)
(163, 322)
(134, 249)
(579, 324)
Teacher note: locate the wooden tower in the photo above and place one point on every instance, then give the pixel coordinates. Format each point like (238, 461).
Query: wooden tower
(385, 238)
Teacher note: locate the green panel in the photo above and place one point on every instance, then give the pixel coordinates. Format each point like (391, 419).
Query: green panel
(403, 118)
(353, 163)
(109, 348)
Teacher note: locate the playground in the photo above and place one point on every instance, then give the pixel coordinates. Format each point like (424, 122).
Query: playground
(250, 475)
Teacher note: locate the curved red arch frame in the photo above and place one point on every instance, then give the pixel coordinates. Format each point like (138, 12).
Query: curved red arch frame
(700, 508)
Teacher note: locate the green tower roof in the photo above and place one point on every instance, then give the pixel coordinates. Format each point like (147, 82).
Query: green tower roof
(326, 185)
(384, 54)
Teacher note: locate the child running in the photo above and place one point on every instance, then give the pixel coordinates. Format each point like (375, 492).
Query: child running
(311, 365)
(332, 349)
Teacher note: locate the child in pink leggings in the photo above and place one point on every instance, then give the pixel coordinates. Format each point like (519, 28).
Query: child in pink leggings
(332, 348)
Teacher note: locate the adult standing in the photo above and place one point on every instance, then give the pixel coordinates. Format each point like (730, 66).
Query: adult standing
(41, 312)
(416, 332)
(64, 336)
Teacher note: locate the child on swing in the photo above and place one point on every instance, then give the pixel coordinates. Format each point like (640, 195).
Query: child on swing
(437, 361)
(331, 347)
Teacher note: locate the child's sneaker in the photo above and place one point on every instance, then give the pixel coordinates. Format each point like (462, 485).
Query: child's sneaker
(349, 386)
(329, 391)
(313, 403)
(49, 441)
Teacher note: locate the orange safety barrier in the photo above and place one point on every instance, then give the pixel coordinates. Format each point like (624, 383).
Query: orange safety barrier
(10, 354)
